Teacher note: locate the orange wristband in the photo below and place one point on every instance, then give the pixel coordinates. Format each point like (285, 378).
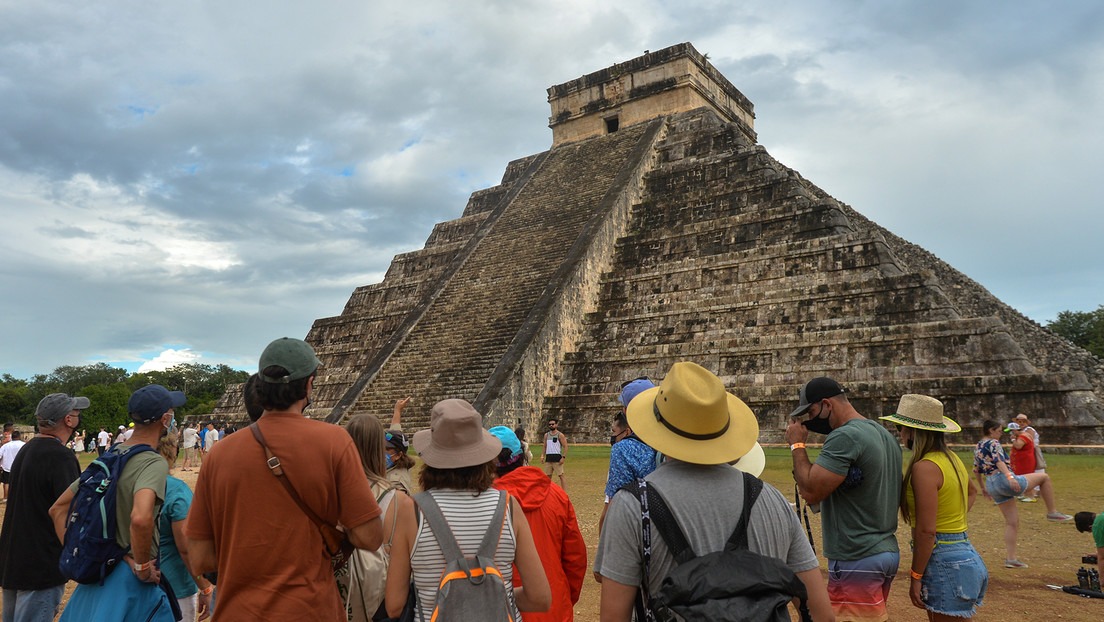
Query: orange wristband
(207, 590)
(797, 446)
(915, 575)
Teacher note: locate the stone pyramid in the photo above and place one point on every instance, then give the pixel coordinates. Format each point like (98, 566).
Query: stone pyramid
(655, 230)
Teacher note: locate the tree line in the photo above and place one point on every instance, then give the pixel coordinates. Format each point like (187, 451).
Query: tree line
(1083, 328)
(108, 389)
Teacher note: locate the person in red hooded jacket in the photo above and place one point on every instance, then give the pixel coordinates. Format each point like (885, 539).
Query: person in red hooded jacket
(552, 520)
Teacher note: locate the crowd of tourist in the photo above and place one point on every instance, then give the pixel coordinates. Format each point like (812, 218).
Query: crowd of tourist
(338, 529)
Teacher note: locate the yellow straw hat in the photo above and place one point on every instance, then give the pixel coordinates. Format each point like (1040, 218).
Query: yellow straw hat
(690, 417)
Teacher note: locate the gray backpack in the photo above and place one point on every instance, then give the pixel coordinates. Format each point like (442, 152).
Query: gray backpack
(471, 588)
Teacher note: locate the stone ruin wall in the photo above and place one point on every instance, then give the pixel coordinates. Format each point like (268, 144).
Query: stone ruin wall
(520, 399)
(890, 318)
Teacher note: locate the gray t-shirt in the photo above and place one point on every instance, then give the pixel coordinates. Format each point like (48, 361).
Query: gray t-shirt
(707, 502)
(859, 518)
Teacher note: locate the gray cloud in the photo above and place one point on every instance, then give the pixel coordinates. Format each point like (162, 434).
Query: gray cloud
(209, 176)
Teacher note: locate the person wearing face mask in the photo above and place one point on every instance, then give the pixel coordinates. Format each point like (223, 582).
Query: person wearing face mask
(857, 481)
(29, 549)
(134, 592)
(630, 458)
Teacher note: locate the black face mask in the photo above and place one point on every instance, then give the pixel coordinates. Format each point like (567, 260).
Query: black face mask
(819, 425)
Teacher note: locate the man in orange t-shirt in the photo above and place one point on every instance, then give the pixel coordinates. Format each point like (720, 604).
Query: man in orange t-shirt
(269, 554)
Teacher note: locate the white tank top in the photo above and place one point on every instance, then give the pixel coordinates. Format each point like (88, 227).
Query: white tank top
(552, 444)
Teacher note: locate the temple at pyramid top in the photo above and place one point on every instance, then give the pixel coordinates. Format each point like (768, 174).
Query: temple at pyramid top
(654, 230)
(672, 80)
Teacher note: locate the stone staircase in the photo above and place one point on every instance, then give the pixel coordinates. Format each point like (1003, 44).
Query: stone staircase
(460, 337)
(737, 263)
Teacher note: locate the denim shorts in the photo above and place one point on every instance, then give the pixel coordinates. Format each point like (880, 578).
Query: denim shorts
(956, 579)
(1000, 489)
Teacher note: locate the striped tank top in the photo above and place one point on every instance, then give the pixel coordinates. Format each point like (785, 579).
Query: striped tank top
(469, 516)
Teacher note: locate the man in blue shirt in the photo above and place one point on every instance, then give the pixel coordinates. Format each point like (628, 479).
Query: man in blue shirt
(630, 458)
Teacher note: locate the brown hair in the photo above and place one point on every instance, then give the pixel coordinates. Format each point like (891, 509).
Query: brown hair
(168, 449)
(924, 442)
(367, 435)
(474, 478)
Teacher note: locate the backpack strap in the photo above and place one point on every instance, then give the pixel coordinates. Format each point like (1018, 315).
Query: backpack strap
(752, 487)
(443, 533)
(664, 520)
(489, 546)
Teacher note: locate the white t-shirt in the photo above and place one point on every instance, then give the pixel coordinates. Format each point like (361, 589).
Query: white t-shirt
(210, 438)
(126, 435)
(103, 438)
(7, 454)
(191, 437)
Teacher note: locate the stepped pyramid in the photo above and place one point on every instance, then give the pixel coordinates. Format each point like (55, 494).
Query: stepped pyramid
(655, 230)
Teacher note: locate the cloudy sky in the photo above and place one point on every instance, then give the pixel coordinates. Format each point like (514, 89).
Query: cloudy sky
(185, 181)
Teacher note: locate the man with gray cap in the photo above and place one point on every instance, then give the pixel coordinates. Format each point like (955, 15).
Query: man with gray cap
(29, 548)
(242, 509)
(857, 481)
(131, 593)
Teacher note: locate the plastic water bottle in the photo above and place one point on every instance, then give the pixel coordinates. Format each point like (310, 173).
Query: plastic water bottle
(1094, 580)
(1083, 578)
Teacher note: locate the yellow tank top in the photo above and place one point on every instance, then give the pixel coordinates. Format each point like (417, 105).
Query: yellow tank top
(950, 517)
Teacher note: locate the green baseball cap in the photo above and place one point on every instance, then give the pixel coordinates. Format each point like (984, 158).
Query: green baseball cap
(294, 355)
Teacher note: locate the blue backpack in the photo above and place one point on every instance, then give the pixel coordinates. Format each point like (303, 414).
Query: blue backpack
(89, 552)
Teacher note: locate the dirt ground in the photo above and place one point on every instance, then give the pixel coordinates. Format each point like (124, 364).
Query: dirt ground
(1053, 551)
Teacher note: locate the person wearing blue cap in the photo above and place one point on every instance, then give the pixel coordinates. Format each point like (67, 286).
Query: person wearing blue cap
(132, 593)
(630, 458)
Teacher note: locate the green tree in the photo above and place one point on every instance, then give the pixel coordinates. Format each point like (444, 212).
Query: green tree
(107, 406)
(13, 399)
(1083, 328)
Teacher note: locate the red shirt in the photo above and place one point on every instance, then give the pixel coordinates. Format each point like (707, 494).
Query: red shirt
(1023, 459)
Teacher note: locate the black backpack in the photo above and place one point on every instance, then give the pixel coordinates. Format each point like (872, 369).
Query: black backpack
(89, 552)
(731, 585)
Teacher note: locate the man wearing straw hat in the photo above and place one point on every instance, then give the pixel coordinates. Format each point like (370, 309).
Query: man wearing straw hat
(700, 428)
(857, 481)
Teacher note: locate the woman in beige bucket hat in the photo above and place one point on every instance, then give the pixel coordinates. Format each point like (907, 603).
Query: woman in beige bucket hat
(948, 577)
(460, 458)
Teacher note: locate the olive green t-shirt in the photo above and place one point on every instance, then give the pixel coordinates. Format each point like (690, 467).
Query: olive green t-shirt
(145, 470)
(859, 518)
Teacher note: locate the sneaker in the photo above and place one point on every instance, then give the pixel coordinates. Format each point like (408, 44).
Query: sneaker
(1014, 563)
(1058, 517)
(1029, 499)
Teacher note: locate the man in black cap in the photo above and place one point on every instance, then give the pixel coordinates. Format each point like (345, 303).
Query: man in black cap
(857, 481)
(29, 548)
(131, 593)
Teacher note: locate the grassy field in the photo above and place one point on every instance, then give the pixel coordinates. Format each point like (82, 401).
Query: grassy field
(1052, 551)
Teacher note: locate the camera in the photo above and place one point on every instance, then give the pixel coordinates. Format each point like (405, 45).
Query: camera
(1088, 559)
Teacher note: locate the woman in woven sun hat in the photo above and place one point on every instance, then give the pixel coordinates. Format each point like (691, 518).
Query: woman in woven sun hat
(949, 579)
(460, 460)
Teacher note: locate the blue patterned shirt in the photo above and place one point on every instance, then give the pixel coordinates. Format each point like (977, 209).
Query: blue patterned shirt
(630, 460)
